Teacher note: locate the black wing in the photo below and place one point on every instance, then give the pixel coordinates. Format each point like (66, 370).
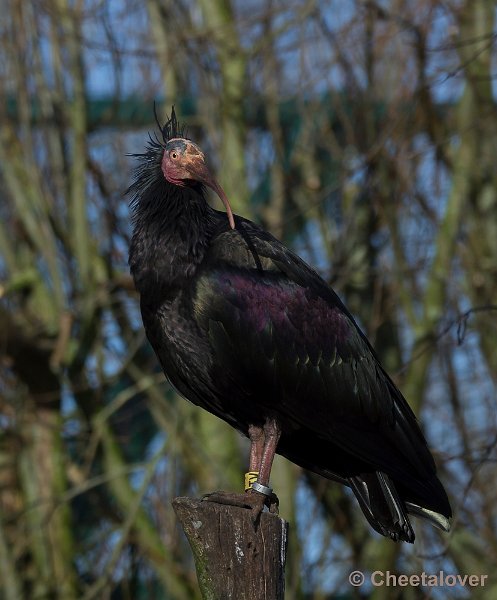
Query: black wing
(291, 334)
(289, 342)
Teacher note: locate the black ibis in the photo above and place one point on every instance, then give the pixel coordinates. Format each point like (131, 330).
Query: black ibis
(245, 329)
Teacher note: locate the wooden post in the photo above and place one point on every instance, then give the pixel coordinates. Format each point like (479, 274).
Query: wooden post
(234, 559)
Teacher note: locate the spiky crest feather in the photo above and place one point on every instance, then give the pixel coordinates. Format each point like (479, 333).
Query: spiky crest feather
(146, 173)
(171, 129)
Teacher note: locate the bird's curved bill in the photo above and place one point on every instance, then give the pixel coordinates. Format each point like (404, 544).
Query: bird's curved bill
(203, 174)
(213, 184)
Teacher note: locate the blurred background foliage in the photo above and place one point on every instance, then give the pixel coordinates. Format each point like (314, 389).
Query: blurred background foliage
(362, 133)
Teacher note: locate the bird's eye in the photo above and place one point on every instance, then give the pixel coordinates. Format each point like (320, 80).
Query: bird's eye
(174, 155)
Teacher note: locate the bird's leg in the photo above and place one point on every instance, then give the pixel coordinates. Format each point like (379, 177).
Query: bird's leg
(256, 436)
(271, 436)
(264, 441)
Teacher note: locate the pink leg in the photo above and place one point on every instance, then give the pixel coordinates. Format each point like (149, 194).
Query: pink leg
(256, 436)
(264, 441)
(272, 434)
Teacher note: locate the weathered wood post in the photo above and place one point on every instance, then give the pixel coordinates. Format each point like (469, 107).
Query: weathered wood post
(234, 559)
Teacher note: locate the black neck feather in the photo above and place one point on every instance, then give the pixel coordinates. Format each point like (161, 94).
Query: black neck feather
(172, 227)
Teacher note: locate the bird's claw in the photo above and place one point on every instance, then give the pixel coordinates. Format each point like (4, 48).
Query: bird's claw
(274, 504)
(228, 498)
(251, 499)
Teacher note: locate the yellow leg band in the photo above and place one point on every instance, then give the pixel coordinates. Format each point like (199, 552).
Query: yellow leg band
(250, 478)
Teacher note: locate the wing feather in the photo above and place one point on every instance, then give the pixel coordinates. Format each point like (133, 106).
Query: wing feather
(295, 345)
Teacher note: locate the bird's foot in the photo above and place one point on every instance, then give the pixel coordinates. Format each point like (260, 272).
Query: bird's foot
(255, 501)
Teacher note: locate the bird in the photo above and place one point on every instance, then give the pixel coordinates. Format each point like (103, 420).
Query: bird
(247, 330)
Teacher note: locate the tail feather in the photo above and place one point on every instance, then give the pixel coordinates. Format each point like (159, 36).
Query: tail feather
(435, 518)
(382, 506)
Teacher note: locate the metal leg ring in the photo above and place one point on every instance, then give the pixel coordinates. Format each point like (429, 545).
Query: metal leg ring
(262, 489)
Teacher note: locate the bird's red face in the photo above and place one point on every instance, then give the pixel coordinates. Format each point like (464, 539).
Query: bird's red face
(184, 162)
